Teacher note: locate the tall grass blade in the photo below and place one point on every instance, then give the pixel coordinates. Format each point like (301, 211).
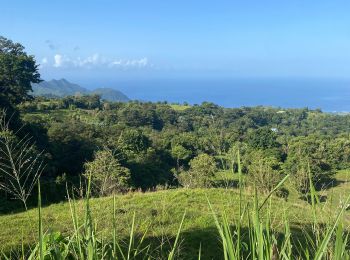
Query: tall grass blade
(114, 228)
(321, 250)
(41, 236)
(199, 251)
(274, 190)
(240, 215)
(131, 241)
(172, 252)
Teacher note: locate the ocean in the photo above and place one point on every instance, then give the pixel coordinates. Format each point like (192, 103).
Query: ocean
(330, 95)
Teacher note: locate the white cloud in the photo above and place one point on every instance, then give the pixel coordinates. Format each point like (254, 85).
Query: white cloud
(97, 60)
(143, 62)
(58, 60)
(93, 60)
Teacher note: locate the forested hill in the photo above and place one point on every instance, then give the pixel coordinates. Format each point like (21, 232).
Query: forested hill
(154, 140)
(64, 88)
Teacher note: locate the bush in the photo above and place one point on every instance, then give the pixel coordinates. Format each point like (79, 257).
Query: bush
(264, 171)
(307, 160)
(202, 169)
(106, 173)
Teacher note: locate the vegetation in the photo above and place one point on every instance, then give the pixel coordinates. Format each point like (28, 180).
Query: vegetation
(264, 172)
(158, 216)
(156, 142)
(17, 71)
(202, 170)
(20, 164)
(270, 181)
(106, 174)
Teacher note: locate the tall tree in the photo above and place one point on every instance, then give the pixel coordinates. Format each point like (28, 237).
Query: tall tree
(18, 71)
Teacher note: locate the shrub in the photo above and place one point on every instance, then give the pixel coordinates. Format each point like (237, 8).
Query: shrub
(307, 160)
(264, 171)
(202, 169)
(106, 173)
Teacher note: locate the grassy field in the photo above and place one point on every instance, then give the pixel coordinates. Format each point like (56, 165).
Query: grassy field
(158, 214)
(64, 115)
(179, 107)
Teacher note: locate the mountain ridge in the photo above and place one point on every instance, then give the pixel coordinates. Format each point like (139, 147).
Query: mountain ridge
(63, 88)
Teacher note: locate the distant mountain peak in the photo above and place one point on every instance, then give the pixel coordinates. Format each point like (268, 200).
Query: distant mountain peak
(62, 88)
(63, 80)
(111, 94)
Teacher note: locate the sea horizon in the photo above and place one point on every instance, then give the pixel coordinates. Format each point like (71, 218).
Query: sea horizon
(329, 95)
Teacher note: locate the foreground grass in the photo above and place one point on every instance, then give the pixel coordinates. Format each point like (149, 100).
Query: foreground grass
(160, 213)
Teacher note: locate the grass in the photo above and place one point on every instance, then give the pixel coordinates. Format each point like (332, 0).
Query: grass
(157, 216)
(178, 107)
(87, 116)
(84, 115)
(161, 210)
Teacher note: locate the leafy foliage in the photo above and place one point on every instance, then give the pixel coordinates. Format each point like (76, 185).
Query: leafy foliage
(18, 71)
(264, 171)
(202, 170)
(106, 174)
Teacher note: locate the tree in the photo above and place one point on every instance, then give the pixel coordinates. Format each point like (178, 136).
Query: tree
(339, 153)
(264, 171)
(202, 169)
(308, 156)
(106, 173)
(300, 170)
(20, 164)
(18, 71)
(133, 142)
(262, 138)
(71, 143)
(180, 153)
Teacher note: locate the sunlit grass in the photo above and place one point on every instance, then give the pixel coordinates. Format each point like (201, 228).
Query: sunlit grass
(179, 107)
(156, 216)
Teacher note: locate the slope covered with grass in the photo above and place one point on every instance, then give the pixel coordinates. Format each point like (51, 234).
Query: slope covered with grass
(158, 214)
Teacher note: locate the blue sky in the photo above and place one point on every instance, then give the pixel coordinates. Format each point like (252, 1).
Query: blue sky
(154, 39)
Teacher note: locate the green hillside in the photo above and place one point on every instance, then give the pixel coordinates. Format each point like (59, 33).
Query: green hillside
(110, 94)
(159, 215)
(59, 88)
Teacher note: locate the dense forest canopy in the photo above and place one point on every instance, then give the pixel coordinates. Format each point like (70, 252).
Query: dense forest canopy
(157, 142)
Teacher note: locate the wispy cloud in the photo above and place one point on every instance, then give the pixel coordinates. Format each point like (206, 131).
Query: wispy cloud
(143, 62)
(94, 61)
(53, 46)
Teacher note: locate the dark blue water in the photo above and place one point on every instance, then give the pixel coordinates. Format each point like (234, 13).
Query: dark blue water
(328, 94)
